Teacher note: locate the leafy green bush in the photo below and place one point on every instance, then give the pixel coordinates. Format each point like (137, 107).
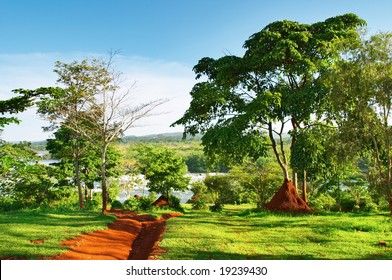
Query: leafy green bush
(324, 202)
(198, 204)
(117, 205)
(95, 203)
(131, 204)
(217, 207)
(145, 203)
(175, 203)
(8, 204)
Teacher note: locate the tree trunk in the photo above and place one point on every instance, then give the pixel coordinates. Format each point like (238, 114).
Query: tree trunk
(282, 164)
(295, 179)
(103, 181)
(304, 187)
(75, 154)
(78, 183)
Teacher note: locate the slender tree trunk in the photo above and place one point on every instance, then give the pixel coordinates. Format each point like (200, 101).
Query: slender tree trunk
(283, 165)
(295, 179)
(75, 150)
(304, 187)
(103, 180)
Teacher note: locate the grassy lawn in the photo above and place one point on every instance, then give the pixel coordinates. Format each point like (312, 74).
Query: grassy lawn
(239, 234)
(37, 235)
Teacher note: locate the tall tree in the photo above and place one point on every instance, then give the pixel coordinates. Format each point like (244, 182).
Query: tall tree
(67, 107)
(361, 94)
(102, 109)
(275, 83)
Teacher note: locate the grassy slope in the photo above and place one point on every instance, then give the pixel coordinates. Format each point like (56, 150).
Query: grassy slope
(201, 235)
(22, 232)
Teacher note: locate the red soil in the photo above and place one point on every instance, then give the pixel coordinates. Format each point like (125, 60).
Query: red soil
(287, 199)
(131, 236)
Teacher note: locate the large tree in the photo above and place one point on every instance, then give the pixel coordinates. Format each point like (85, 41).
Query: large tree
(94, 105)
(244, 101)
(361, 95)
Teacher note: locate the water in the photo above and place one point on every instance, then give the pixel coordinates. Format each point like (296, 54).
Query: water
(141, 189)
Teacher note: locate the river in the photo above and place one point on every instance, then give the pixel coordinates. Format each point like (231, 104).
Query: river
(142, 188)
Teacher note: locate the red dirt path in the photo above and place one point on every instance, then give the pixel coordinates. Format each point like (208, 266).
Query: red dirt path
(130, 237)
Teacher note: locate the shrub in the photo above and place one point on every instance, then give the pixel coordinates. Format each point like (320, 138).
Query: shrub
(175, 203)
(131, 204)
(347, 202)
(198, 204)
(145, 203)
(217, 207)
(95, 203)
(117, 204)
(8, 204)
(325, 202)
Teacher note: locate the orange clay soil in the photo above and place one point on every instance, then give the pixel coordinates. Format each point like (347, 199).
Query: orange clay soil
(287, 199)
(130, 237)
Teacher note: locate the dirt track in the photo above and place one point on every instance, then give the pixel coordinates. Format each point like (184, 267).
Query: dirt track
(130, 237)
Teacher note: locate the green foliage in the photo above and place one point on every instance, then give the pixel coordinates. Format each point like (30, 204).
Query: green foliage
(145, 203)
(198, 204)
(175, 203)
(259, 179)
(324, 202)
(314, 151)
(196, 163)
(163, 170)
(25, 183)
(16, 105)
(131, 204)
(223, 189)
(217, 207)
(361, 105)
(277, 80)
(199, 198)
(116, 204)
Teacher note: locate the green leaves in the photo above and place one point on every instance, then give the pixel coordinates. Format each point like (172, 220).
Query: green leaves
(163, 170)
(277, 80)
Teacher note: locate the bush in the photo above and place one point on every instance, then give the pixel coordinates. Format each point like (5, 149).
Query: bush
(95, 203)
(131, 204)
(175, 203)
(325, 202)
(117, 205)
(217, 207)
(145, 203)
(8, 204)
(198, 204)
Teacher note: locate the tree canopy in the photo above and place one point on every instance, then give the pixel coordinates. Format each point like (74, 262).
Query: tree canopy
(244, 103)
(164, 170)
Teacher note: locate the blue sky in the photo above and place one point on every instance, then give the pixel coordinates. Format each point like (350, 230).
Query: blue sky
(160, 42)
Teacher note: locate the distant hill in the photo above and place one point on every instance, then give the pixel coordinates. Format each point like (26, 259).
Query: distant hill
(151, 138)
(163, 137)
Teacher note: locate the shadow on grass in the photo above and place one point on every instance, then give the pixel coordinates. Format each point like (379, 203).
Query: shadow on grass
(216, 255)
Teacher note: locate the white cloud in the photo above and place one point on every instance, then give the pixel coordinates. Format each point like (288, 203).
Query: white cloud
(154, 80)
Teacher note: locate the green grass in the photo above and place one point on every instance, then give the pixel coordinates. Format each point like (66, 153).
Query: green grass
(240, 234)
(37, 235)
